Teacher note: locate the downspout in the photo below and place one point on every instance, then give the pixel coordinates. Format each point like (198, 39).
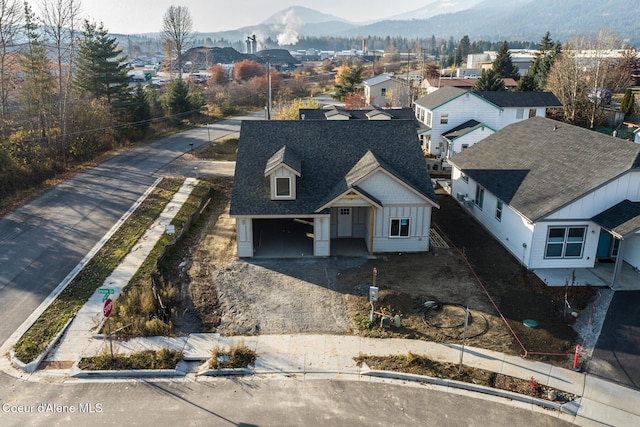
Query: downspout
(371, 225)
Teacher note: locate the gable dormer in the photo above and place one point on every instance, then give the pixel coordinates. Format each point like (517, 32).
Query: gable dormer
(283, 169)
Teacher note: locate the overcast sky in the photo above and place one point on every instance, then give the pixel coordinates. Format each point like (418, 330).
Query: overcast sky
(143, 16)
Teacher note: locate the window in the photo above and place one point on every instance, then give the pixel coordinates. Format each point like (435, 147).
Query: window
(519, 113)
(429, 118)
(499, 211)
(465, 146)
(383, 91)
(399, 227)
(532, 112)
(283, 186)
(464, 178)
(479, 196)
(565, 242)
(444, 119)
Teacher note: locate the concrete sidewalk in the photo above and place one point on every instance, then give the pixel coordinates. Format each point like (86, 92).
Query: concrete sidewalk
(332, 356)
(78, 337)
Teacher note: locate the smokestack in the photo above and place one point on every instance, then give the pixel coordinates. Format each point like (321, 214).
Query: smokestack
(254, 44)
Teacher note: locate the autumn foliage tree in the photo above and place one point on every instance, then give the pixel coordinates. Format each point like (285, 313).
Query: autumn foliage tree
(247, 69)
(218, 74)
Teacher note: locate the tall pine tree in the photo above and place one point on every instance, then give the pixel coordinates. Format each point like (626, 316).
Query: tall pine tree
(503, 65)
(489, 81)
(102, 71)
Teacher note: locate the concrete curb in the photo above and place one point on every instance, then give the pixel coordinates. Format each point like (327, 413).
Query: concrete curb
(225, 372)
(33, 365)
(568, 408)
(76, 372)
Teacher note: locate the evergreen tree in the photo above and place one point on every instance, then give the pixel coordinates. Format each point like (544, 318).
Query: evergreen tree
(101, 69)
(627, 105)
(503, 64)
(347, 81)
(538, 71)
(527, 83)
(489, 81)
(462, 51)
(182, 99)
(140, 109)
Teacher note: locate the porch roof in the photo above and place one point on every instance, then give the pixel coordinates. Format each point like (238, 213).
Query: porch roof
(621, 219)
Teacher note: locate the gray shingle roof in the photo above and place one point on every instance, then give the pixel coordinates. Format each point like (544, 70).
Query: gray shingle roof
(557, 162)
(360, 114)
(328, 152)
(623, 218)
(462, 129)
(284, 156)
(508, 99)
(440, 97)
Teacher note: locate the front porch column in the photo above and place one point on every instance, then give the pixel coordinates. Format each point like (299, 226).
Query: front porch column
(618, 267)
(372, 228)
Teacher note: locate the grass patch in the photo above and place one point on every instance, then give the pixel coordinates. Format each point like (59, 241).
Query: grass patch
(226, 149)
(148, 359)
(420, 365)
(236, 357)
(147, 302)
(52, 320)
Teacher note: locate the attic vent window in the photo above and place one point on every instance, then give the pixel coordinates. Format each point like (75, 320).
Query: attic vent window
(283, 187)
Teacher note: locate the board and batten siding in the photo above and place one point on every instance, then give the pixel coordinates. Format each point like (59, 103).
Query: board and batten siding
(419, 225)
(398, 201)
(244, 236)
(624, 187)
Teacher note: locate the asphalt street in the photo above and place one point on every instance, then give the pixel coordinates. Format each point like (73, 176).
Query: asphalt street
(252, 402)
(44, 240)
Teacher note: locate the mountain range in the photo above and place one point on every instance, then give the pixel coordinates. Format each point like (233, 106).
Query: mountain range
(490, 20)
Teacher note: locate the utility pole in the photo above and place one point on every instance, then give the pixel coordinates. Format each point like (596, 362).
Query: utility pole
(268, 89)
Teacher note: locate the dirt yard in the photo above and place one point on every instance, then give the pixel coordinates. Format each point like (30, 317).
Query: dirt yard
(231, 296)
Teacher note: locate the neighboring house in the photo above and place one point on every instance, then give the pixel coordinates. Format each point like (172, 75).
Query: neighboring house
(385, 90)
(555, 195)
(464, 136)
(433, 84)
(368, 113)
(447, 108)
(311, 182)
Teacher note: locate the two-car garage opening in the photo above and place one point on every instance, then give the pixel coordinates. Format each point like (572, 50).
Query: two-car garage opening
(283, 238)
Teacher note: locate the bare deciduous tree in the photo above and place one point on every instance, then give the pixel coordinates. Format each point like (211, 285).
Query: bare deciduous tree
(61, 19)
(177, 27)
(10, 17)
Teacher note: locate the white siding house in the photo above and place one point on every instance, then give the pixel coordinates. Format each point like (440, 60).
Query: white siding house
(385, 90)
(313, 182)
(555, 195)
(445, 109)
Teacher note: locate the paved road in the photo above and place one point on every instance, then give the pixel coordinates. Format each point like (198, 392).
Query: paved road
(617, 353)
(254, 402)
(43, 241)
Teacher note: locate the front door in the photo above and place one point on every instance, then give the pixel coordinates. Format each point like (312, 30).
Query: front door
(344, 222)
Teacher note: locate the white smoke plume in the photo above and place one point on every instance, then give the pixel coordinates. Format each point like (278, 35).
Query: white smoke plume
(289, 29)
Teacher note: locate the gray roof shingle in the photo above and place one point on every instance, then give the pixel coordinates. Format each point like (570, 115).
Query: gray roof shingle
(623, 218)
(543, 164)
(439, 97)
(508, 99)
(331, 155)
